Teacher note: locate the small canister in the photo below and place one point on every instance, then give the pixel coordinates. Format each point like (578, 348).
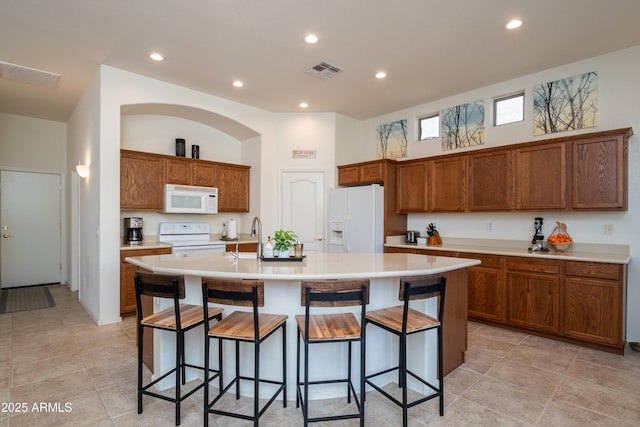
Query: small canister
(180, 147)
(195, 151)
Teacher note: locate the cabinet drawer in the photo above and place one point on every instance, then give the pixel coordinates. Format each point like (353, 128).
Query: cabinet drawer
(371, 173)
(489, 261)
(594, 269)
(533, 265)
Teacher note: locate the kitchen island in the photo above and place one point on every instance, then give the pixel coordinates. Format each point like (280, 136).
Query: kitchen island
(282, 295)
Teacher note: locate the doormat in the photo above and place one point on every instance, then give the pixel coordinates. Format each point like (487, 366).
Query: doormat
(23, 299)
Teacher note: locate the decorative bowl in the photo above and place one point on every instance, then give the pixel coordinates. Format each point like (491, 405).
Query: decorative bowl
(560, 247)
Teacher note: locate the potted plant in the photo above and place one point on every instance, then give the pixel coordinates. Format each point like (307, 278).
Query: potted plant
(284, 240)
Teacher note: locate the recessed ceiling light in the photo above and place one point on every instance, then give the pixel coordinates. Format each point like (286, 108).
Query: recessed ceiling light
(381, 75)
(156, 56)
(513, 24)
(303, 105)
(238, 83)
(311, 38)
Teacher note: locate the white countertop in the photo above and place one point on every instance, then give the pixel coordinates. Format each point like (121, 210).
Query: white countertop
(314, 266)
(615, 254)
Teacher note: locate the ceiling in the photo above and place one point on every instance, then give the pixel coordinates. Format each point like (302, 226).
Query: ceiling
(429, 49)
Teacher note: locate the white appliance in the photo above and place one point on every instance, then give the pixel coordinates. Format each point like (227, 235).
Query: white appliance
(190, 199)
(189, 237)
(356, 219)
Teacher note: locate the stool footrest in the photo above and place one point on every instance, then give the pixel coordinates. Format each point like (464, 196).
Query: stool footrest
(211, 410)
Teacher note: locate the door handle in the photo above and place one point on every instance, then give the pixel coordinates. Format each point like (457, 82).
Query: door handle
(6, 236)
(318, 239)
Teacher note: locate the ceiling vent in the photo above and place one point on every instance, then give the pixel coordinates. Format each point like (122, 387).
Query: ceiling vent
(323, 70)
(28, 75)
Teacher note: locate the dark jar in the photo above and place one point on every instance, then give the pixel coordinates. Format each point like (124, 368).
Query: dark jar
(180, 147)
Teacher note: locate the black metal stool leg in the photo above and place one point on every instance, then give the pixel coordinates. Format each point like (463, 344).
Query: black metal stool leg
(140, 355)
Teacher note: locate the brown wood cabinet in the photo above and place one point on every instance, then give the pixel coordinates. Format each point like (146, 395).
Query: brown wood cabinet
(489, 179)
(384, 172)
(541, 177)
(242, 247)
(205, 174)
(485, 287)
(533, 294)
(143, 175)
(594, 302)
(599, 172)
(179, 171)
(573, 301)
(141, 180)
(127, 273)
(412, 186)
(233, 188)
(447, 184)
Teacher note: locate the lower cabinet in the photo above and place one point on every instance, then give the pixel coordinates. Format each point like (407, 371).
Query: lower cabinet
(242, 247)
(573, 301)
(127, 273)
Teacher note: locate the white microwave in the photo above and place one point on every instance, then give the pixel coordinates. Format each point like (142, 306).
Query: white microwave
(190, 199)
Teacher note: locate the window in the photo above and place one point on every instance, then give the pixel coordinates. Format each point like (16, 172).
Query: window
(429, 127)
(508, 109)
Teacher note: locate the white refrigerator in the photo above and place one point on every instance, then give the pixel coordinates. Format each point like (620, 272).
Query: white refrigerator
(356, 219)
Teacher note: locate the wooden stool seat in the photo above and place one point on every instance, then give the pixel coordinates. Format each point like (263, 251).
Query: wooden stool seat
(328, 327)
(403, 321)
(247, 327)
(391, 318)
(179, 319)
(319, 328)
(189, 315)
(239, 325)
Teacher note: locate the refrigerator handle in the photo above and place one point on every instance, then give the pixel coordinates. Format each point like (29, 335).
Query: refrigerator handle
(345, 234)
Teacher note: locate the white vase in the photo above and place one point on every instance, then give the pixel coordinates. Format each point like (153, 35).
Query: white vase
(283, 254)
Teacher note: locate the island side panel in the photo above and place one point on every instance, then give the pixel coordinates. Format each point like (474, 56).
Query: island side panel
(454, 325)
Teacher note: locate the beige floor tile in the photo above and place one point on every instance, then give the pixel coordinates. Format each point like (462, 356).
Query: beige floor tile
(460, 380)
(603, 400)
(630, 362)
(5, 356)
(522, 404)
(85, 409)
(551, 346)
(117, 372)
(479, 361)
(121, 399)
(106, 354)
(564, 414)
(40, 370)
(489, 346)
(161, 413)
(38, 338)
(36, 351)
(499, 334)
(608, 377)
(464, 412)
(54, 389)
(540, 359)
(5, 376)
(527, 377)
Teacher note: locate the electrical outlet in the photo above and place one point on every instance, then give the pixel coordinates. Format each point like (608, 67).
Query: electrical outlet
(608, 229)
(490, 227)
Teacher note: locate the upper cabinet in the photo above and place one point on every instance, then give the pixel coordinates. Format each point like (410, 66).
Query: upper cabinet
(599, 170)
(233, 188)
(143, 175)
(412, 186)
(373, 172)
(447, 184)
(580, 172)
(489, 181)
(141, 179)
(541, 177)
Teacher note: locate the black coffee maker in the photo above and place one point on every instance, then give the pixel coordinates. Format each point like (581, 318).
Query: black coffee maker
(133, 231)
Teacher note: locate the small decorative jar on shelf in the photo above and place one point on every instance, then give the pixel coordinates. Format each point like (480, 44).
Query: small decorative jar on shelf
(559, 238)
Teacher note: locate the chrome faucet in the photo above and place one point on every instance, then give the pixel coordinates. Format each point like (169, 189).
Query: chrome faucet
(256, 220)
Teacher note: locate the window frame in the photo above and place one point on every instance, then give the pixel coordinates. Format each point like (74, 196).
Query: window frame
(419, 126)
(506, 98)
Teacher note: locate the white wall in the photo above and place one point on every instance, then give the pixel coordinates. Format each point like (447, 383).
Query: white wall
(618, 107)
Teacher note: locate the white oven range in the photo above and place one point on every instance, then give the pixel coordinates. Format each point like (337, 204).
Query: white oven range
(189, 237)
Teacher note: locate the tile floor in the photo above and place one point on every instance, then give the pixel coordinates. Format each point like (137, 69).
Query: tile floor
(59, 355)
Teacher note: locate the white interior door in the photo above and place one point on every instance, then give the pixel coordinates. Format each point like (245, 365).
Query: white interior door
(30, 227)
(303, 210)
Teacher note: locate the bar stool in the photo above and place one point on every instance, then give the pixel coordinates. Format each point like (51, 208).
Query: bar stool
(403, 321)
(242, 326)
(179, 319)
(333, 327)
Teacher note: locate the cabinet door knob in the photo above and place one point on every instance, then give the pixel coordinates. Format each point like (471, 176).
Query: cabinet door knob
(6, 236)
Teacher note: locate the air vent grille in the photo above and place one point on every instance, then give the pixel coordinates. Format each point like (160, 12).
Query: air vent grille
(323, 70)
(28, 75)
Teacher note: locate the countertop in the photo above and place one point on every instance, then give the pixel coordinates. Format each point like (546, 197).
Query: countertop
(151, 242)
(314, 266)
(615, 254)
